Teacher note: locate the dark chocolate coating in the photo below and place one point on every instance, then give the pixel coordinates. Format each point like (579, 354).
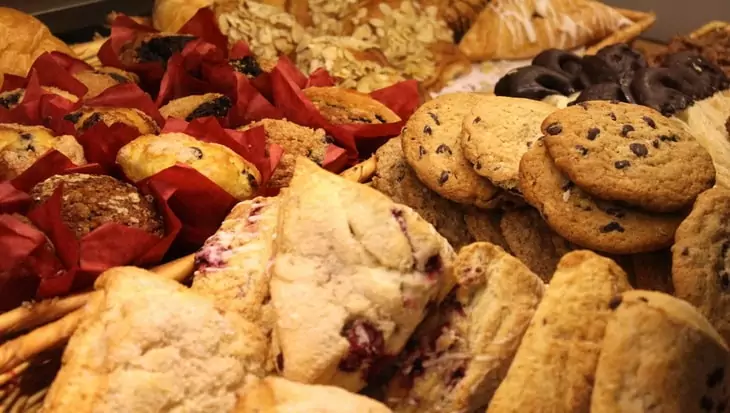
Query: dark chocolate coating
(606, 91)
(661, 89)
(533, 82)
(564, 62)
(615, 63)
(701, 77)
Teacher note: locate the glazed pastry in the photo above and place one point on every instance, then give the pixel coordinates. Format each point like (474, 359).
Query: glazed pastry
(86, 117)
(154, 47)
(512, 29)
(150, 154)
(190, 354)
(341, 106)
(12, 98)
(351, 280)
(21, 146)
(459, 15)
(101, 79)
(197, 106)
(458, 357)
(170, 15)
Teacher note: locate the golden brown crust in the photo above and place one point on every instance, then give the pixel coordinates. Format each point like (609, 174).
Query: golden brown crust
(196, 106)
(86, 117)
(24, 38)
(21, 146)
(171, 15)
(341, 106)
(99, 80)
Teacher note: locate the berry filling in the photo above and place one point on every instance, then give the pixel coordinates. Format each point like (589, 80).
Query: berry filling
(366, 345)
(217, 107)
(161, 49)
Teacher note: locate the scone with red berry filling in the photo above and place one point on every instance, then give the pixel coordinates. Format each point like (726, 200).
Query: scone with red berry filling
(459, 355)
(352, 277)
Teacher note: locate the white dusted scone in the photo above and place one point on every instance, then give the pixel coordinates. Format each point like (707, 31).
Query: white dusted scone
(660, 354)
(148, 344)
(278, 395)
(150, 154)
(351, 280)
(461, 352)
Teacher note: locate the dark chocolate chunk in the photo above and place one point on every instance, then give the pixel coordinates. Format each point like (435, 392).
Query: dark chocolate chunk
(73, 117)
(611, 227)
(671, 138)
(91, 121)
(30, 148)
(435, 118)
(477, 120)
(381, 119)
(639, 149)
(612, 116)
(421, 152)
(593, 133)
(655, 143)
(615, 302)
(443, 148)
(197, 153)
(26, 136)
(534, 82)
(251, 180)
(478, 165)
(626, 129)
(217, 107)
(554, 129)
(615, 211)
(582, 149)
(427, 130)
(117, 77)
(443, 177)
(649, 121)
(10, 100)
(622, 164)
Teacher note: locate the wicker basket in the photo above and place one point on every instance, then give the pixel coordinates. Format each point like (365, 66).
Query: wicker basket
(641, 22)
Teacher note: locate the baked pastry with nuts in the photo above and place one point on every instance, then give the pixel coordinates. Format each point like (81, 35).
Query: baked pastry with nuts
(100, 79)
(86, 117)
(150, 154)
(458, 14)
(12, 98)
(354, 63)
(353, 274)
(296, 141)
(21, 146)
(90, 201)
(154, 47)
(341, 106)
(459, 355)
(147, 343)
(197, 106)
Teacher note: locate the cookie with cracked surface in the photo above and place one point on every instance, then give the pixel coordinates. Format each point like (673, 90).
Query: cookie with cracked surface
(22, 145)
(351, 280)
(462, 351)
(701, 258)
(563, 340)
(296, 141)
(86, 117)
(432, 145)
(629, 153)
(532, 241)
(342, 106)
(660, 354)
(197, 106)
(587, 221)
(496, 135)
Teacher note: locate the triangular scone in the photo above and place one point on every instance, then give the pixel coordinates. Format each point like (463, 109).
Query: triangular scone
(149, 344)
(520, 29)
(278, 395)
(352, 277)
(233, 266)
(460, 354)
(553, 369)
(659, 354)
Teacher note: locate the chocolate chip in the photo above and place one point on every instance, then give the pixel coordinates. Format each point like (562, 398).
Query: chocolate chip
(443, 149)
(593, 133)
(444, 177)
(30, 148)
(639, 149)
(612, 116)
(617, 212)
(622, 164)
(251, 180)
(117, 77)
(328, 139)
(615, 302)
(280, 361)
(655, 143)
(715, 377)
(380, 118)
(554, 129)
(91, 121)
(649, 121)
(26, 136)
(643, 299)
(456, 376)
(665, 138)
(427, 130)
(566, 186)
(529, 144)
(626, 129)
(421, 152)
(478, 165)
(582, 149)
(10, 100)
(356, 119)
(73, 117)
(197, 153)
(706, 404)
(476, 120)
(611, 227)
(724, 280)
(685, 251)
(435, 118)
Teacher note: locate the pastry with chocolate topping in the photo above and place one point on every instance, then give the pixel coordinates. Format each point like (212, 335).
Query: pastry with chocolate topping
(564, 62)
(90, 201)
(534, 82)
(197, 106)
(154, 47)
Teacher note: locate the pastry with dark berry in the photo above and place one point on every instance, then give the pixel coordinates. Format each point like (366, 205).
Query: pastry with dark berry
(341, 106)
(90, 201)
(197, 106)
(150, 154)
(21, 146)
(248, 66)
(352, 278)
(100, 79)
(460, 354)
(86, 117)
(12, 98)
(154, 48)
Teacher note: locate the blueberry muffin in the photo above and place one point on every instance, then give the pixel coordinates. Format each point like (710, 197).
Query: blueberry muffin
(340, 106)
(21, 146)
(150, 154)
(86, 117)
(101, 79)
(154, 48)
(90, 201)
(197, 106)
(13, 98)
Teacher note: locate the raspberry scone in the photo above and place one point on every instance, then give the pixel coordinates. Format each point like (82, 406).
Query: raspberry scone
(459, 355)
(233, 265)
(353, 275)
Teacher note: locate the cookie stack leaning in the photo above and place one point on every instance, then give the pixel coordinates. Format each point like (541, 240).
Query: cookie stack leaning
(614, 177)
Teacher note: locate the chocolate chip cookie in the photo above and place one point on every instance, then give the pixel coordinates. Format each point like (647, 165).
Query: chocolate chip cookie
(585, 220)
(496, 134)
(628, 153)
(659, 354)
(701, 258)
(432, 144)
